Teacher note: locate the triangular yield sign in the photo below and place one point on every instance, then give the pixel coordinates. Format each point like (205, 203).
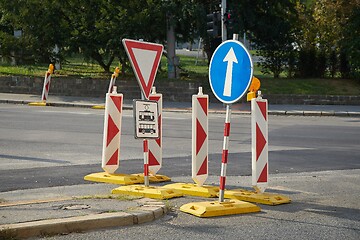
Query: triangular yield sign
(145, 58)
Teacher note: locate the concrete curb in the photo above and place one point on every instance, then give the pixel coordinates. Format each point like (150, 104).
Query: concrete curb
(271, 112)
(149, 210)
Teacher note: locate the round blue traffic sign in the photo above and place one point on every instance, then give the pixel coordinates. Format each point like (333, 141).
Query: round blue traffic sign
(230, 71)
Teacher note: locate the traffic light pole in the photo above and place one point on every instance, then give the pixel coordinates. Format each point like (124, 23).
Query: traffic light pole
(223, 27)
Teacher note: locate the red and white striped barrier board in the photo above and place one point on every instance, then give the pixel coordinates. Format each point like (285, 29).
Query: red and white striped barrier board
(259, 142)
(200, 107)
(46, 87)
(225, 153)
(112, 132)
(155, 145)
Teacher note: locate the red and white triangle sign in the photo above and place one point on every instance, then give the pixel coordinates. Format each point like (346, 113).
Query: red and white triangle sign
(145, 58)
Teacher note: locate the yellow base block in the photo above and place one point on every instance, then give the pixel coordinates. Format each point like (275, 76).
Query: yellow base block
(194, 190)
(38, 104)
(262, 198)
(98, 107)
(214, 209)
(153, 178)
(116, 178)
(149, 192)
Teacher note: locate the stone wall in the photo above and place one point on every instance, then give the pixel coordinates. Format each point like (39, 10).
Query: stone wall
(172, 90)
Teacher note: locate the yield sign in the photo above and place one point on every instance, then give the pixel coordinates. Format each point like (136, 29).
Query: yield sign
(145, 58)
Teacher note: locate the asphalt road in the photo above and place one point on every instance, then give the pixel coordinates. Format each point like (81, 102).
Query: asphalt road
(44, 147)
(313, 160)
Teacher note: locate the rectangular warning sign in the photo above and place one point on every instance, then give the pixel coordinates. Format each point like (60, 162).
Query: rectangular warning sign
(146, 119)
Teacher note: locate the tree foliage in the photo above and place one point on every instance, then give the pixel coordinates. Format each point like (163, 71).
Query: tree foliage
(304, 37)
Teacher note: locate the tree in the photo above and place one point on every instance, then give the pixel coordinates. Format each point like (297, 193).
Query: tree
(40, 23)
(272, 28)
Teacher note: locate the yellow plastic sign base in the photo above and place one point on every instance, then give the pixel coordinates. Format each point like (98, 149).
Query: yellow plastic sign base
(116, 178)
(153, 178)
(194, 190)
(255, 197)
(98, 107)
(214, 209)
(149, 192)
(38, 104)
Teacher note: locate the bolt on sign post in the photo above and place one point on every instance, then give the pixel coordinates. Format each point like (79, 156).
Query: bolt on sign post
(230, 74)
(259, 143)
(155, 145)
(47, 80)
(200, 107)
(112, 131)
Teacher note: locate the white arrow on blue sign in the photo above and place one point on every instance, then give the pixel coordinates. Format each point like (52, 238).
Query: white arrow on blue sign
(230, 71)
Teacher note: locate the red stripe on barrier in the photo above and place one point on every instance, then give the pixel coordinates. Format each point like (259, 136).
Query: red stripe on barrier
(200, 136)
(204, 167)
(227, 130)
(158, 140)
(152, 159)
(222, 182)
(114, 158)
(262, 107)
(47, 86)
(224, 157)
(117, 102)
(111, 131)
(260, 142)
(154, 98)
(264, 175)
(204, 104)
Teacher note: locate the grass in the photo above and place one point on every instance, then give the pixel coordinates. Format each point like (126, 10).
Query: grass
(119, 197)
(77, 66)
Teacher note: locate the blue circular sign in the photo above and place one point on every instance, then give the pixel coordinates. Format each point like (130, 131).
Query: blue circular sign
(230, 71)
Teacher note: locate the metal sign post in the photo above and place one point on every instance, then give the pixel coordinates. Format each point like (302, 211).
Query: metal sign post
(146, 126)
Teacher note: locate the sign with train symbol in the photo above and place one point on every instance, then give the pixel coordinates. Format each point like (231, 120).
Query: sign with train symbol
(146, 119)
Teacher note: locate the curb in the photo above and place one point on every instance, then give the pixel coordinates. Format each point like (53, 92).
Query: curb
(270, 112)
(148, 211)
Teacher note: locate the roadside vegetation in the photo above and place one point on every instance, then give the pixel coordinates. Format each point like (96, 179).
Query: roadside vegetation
(194, 69)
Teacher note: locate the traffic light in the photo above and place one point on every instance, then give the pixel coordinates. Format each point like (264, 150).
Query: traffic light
(213, 22)
(228, 20)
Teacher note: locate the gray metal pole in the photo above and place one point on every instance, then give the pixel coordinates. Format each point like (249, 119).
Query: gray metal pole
(223, 27)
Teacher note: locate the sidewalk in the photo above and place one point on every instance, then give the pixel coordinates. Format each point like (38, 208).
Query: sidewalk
(65, 209)
(238, 108)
